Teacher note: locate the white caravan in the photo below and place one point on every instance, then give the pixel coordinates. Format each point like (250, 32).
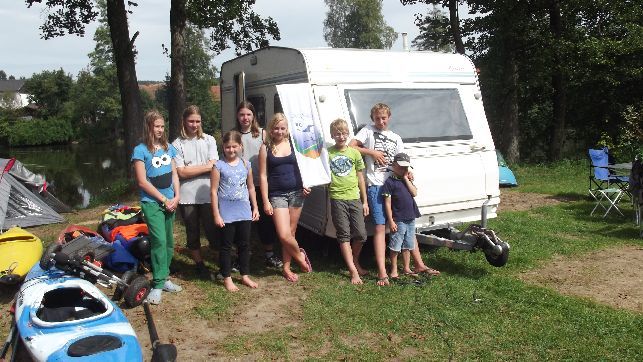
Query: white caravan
(436, 108)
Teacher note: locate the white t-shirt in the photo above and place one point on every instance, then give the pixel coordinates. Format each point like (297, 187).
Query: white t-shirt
(195, 152)
(388, 142)
(251, 146)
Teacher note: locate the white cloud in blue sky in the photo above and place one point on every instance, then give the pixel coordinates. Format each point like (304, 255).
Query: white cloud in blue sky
(24, 53)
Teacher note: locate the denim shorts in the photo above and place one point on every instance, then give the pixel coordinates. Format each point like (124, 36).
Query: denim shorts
(289, 199)
(376, 205)
(404, 237)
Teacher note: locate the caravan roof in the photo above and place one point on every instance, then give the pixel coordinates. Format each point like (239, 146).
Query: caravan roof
(333, 66)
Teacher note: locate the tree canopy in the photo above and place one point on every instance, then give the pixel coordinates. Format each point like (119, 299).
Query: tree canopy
(357, 24)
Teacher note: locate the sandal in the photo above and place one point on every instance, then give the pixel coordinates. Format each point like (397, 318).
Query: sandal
(381, 282)
(411, 274)
(310, 266)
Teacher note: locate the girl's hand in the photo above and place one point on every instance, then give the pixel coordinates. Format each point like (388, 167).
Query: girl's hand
(255, 214)
(267, 209)
(365, 209)
(170, 205)
(393, 226)
(306, 191)
(218, 221)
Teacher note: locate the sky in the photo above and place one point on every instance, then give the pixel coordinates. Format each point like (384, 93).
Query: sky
(300, 22)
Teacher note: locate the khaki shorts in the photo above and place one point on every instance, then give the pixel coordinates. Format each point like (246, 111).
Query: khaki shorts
(348, 218)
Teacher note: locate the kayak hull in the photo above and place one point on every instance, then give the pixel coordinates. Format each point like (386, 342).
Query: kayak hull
(65, 318)
(19, 251)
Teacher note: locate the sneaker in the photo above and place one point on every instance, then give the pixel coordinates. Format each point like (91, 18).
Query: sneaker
(171, 287)
(273, 262)
(155, 296)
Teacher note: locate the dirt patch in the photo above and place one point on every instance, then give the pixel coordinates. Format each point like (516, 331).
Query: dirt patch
(612, 276)
(273, 307)
(511, 200)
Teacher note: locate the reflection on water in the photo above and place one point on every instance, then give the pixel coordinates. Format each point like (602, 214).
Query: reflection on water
(76, 172)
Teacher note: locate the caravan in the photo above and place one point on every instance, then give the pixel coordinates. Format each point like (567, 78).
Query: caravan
(436, 108)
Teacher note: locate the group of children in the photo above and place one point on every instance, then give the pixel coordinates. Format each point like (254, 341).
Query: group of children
(258, 180)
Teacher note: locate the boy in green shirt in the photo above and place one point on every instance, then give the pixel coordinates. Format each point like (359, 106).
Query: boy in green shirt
(348, 203)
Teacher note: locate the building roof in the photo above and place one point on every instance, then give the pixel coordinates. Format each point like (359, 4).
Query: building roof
(11, 85)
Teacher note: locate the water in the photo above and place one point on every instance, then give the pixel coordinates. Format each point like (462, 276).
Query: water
(76, 173)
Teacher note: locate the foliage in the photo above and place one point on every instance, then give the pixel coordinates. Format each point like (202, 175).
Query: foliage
(357, 24)
(232, 21)
(49, 90)
(628, 142)
(434, 31)
(39, 132)
(3, 75)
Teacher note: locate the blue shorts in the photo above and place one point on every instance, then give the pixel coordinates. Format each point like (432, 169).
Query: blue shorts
(404, 237)
(376, 205)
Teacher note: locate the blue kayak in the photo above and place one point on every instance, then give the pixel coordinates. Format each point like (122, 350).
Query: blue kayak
(61, 317)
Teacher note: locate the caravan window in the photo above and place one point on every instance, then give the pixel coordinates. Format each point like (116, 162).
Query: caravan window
(418, 115)
(260, 109)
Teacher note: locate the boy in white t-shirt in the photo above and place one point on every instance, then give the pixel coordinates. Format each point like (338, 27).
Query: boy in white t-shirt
(379, 145)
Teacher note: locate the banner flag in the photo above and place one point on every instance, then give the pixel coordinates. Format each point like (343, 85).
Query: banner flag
(298, 103)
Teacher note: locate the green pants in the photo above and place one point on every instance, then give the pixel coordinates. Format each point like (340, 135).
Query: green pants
(161, 226)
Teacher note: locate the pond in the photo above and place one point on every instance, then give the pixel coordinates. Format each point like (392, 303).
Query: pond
(76, 173)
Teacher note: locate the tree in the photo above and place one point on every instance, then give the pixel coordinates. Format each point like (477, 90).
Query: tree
(71, 18)
(3, 75)
(434, 31)
(428, 23)
(49, 90)
(357, 24)
(232, 21)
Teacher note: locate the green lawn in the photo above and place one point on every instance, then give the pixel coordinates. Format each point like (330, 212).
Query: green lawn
(473, 311)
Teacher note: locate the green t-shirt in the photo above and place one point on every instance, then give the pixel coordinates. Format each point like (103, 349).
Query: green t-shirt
(344, 166)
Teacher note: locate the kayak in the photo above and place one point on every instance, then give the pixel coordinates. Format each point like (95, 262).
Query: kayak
(60, 317)
(19, 251)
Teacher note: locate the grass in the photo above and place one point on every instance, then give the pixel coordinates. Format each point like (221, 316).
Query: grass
(473, 311)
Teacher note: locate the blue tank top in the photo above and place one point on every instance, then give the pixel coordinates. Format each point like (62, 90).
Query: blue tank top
(283, 174)
(234, 202)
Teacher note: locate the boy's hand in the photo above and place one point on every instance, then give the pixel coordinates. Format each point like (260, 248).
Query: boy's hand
(218, 221)
(365, 208)
(393, 226)
(379, 157)
(409, 176)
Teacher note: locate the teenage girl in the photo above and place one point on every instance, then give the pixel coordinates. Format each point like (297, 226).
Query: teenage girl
(252, 137)
(158, 182)
(234, 207)
(196, 155)
(282, 192)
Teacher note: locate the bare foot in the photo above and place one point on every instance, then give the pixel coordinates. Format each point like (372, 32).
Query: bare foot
(427, 271)
(290, 276)
(229, 285)
(355, 279)
(245, 280)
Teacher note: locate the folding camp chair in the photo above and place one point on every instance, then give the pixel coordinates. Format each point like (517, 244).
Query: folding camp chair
(606, 188)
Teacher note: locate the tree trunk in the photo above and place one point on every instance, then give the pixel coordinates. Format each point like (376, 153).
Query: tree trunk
(511, 127)
(454, 21)
(559, 95)
(177, 91)
(125, 72)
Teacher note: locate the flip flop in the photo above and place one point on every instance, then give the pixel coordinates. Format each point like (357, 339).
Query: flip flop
(382, 282)
(411, 274)
(310, 266)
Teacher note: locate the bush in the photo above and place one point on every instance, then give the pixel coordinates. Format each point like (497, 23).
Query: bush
(39, 132)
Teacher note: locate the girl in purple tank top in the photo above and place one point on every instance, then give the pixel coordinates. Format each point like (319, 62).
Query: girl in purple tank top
(282, 192)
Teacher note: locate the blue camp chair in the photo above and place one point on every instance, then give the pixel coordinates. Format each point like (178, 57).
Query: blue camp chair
(605, 187)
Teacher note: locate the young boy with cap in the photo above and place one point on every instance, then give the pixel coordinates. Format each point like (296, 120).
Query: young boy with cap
(401, 211)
